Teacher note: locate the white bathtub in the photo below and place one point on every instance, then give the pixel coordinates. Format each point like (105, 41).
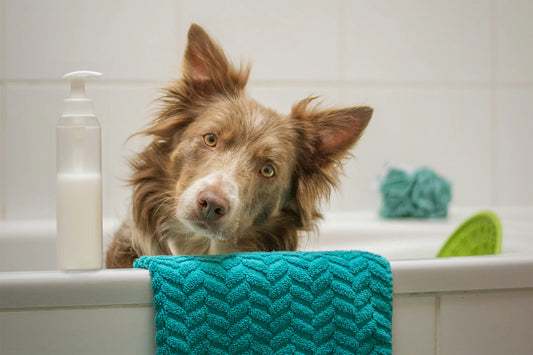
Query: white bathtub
(475, 305)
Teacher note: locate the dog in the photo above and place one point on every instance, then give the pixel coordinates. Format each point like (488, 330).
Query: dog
(224, 174)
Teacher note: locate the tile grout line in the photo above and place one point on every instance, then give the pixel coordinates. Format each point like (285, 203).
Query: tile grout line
(390, 84)
(291, 83)
(494, 146)
(437, 325)
(99, 82)
(341, 51)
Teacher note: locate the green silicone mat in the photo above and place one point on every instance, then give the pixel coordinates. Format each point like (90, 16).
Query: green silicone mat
(480, 234)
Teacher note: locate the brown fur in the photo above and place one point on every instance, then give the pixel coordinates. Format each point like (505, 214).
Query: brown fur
(305, 148)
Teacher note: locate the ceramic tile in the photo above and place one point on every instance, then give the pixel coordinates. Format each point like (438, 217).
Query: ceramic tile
(494, 323)
(413, 324)
(123, 39)
(295, 40)
(417, 41)
(123, 111)
(514, 44)
(514, 107)
(30, 151)
(2, 39)
(282, 98)
(447, 130)
(66, 331)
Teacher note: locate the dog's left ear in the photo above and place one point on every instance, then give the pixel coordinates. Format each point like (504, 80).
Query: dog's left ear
(331, 133)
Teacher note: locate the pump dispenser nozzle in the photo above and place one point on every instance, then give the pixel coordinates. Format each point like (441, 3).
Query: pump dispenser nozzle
(78, 104)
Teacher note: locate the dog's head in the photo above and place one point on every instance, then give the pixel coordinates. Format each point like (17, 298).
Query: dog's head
(224, 171)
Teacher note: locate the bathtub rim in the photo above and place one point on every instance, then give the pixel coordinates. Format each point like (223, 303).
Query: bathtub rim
(132, 287)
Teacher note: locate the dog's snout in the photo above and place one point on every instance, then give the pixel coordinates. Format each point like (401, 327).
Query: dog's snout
(212, 205)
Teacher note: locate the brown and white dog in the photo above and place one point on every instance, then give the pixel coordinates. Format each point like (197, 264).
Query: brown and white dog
(225, 174)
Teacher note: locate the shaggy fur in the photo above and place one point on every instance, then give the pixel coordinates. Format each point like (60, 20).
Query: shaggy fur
(225, 174)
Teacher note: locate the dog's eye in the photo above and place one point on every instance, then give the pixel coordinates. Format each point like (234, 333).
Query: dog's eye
(210, 140)
(268, 171)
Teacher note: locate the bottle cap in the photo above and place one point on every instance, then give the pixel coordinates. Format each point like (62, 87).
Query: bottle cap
(78, 104)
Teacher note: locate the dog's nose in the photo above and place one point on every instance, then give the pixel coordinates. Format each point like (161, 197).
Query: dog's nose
(212, 205)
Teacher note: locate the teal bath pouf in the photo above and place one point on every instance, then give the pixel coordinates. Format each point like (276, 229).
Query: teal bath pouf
(421, 194)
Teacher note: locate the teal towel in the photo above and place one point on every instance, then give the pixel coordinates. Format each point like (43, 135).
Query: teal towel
(337, 302)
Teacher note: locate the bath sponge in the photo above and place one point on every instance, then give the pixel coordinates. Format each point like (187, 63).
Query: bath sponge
(421, 194)
(480, 234)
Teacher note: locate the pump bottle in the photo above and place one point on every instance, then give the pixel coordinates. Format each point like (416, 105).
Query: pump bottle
(79, 180)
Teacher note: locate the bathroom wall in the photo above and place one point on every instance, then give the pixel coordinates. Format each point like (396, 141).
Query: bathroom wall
(451, 83)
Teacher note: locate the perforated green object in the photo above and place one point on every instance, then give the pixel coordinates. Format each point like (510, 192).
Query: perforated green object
(480, 234)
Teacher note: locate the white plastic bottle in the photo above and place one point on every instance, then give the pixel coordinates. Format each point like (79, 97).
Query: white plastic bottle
(79, 180)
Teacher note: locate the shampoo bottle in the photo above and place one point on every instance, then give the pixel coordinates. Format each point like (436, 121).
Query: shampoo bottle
(79, 180)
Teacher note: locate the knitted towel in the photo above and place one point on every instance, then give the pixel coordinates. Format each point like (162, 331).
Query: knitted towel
(337, 302)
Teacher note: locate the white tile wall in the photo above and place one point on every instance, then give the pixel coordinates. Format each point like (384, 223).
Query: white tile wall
(282, 97)
(417, 41)
(30, 150)
(443, 128)
(287, 40)
(124, 39)
(493, 323)
(117, 330)
(514, 41)
(2, 39)
(451, 84)
(413, 321)
(123, 111)
(514, 113)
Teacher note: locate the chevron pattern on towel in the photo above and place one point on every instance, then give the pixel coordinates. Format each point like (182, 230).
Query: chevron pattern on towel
(337, 302)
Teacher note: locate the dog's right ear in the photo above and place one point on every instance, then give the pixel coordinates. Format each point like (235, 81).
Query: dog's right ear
(326, 138)
(206, 67)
